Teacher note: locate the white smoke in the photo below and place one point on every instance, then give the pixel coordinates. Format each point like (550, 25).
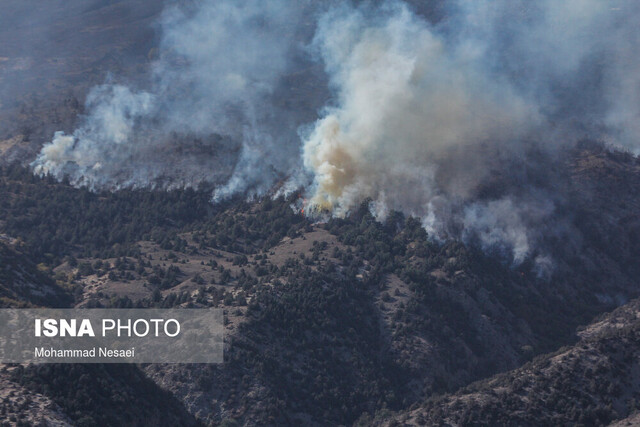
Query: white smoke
(405, 100)
(93, 150)
(427, 114)
(577, 59)
(435, 119)
(208, 114)
(503, 225)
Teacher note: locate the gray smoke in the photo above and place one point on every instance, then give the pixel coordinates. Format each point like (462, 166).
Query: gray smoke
(438, 119)
(427, 115)
(209, 113)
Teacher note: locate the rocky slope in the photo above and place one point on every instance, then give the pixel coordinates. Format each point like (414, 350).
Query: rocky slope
(22, 282)
(19, 404)
(593, 382)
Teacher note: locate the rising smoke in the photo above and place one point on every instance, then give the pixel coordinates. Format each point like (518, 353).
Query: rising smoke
(426, 117)
(428, 114)
(210, 112)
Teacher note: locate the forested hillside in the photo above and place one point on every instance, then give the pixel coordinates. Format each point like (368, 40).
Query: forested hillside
(591, 383)
(332, 322)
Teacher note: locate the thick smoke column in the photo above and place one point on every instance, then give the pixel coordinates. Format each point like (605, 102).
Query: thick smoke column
(448, 120)
(427, 114)
(405, 99)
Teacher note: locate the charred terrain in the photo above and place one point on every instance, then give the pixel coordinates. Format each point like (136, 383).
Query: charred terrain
(341, 307)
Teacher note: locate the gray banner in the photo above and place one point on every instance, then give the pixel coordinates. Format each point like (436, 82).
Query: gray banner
(111, 336)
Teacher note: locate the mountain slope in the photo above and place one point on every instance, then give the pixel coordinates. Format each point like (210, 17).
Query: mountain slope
(593, 382)
(110, 394)
(51, 55)
(333, 321)
(18, 403)
(21, 282)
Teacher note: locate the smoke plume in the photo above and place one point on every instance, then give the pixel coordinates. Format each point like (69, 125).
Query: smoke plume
(446, 119)
(210, 111)
(427, 115)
